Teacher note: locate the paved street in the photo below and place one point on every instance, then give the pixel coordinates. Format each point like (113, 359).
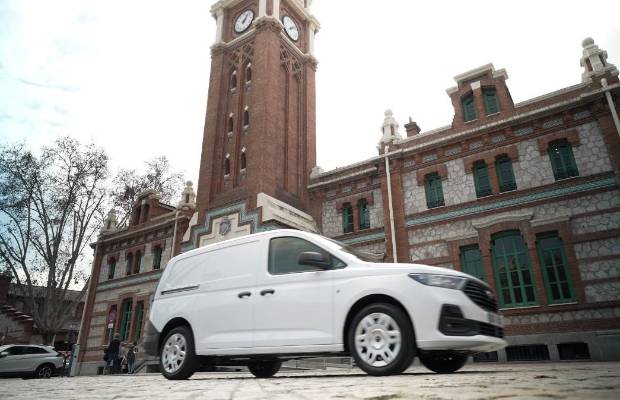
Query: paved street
(514, 381)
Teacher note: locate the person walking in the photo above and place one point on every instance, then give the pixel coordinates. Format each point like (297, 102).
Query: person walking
(114, 353)
(131, 358)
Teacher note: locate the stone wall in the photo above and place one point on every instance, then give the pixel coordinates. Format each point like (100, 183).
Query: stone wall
(146, 264)
(332, 219)
(375, 248)
(591, 155)
(596, 223)
(601, 269)
(532, 169)
(598, 248)
(567, 316)
(376, 210)
(414, 196)
(605, 291)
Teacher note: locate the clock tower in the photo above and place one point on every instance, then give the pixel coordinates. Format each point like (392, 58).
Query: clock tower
(259, 143)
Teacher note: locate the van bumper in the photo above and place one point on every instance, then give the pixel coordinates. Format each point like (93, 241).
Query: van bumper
(150, 340)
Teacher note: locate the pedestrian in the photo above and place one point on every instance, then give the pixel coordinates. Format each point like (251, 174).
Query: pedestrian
(114, 353)
(131, 358)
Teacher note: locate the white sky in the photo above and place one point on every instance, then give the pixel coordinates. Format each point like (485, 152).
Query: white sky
(133, 75)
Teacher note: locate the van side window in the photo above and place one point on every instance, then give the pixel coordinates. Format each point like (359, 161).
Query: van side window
(284, 253)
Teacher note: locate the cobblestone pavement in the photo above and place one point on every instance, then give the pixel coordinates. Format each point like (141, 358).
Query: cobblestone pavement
(515, 381)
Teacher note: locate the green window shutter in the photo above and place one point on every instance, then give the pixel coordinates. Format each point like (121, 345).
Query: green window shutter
(138, 262)
(562, 160)
(491, 103)
(347, 218)
(364, 214)
(129, 264)
(481, 179)
(505, 174)
(126, 320)
(553, 261)
(138, 323)
(112, 269)
(469, 108)
(157, 258)
(513, 271)
(434, 191)
(471, 261)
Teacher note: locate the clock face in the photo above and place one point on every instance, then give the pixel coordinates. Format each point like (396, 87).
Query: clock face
(291, 28)
(244, 21)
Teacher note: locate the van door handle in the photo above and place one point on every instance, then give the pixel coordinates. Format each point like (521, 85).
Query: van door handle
(267, 291)
(244, 294)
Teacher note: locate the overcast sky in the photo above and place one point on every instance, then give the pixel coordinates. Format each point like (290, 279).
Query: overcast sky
(132, 76)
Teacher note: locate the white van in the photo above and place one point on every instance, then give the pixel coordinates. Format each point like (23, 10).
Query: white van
(285, 294)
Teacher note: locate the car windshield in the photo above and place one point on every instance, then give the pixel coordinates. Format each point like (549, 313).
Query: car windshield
(362, 255)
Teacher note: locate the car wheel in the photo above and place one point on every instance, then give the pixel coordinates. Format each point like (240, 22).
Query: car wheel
(178, 359)
(265, 369)
(381, 340)
(44, 371)
(443, 362)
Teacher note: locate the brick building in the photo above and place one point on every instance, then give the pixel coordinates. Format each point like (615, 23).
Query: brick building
(525, 196)
(126, 269)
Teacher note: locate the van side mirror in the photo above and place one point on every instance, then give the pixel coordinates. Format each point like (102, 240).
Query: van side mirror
(314, 259)
(4, 354)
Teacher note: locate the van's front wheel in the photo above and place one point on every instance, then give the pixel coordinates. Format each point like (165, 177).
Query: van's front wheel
(265, 369)
(381, 340)
(177, 354)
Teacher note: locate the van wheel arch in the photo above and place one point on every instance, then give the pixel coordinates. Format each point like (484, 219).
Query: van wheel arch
(363, 302)
(173, 323)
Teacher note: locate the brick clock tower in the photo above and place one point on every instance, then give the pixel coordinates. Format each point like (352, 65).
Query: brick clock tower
(259, 144)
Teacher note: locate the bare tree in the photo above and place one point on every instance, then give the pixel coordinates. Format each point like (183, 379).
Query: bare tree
(129, 183)
(51, 207)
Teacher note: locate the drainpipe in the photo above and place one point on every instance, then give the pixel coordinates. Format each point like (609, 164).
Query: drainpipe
(391, 207)
(174, 235)
(612, 106)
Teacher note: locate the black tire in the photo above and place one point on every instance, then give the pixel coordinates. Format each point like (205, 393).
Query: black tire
(265, 369)
(44, 371)
(443, 362)
(406, 353)
(189, 364)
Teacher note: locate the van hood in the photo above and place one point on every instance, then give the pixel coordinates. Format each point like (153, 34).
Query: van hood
(393, 268)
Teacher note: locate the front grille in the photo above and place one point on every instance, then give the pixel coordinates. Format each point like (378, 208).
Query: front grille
(478, 293)
(490, 330)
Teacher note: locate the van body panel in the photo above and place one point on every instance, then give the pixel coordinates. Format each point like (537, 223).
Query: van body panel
(237, 308)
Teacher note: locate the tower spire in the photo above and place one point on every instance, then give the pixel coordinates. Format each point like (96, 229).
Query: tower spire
(594, 61)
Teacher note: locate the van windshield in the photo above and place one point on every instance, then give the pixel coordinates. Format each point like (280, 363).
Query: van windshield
(362, 255)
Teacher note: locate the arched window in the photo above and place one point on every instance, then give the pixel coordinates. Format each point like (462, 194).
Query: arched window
(136, 216)
(111, 268)
(157, 253)
(246, 118)
(138, 262)
(231, 123)
(434, 190)
(233, 81)
(227, 165)
(562, 160)
(243, 161)
(491, 103)
(347, 218)
(505, 174)
(469, 108)
(248, 74)
(145, 213)
(364, 214)
(481, 179)
(129, 265)
(513, 272)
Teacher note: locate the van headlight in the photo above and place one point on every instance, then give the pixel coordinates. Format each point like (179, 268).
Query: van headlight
(443, 281)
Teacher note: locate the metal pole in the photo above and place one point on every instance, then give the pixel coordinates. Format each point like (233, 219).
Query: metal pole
(391, 207)
(174, 235)
(612, 106)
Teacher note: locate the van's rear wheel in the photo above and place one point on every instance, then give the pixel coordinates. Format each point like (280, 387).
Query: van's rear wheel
(265, 369)
(443, 362)
(381, 340)
(177, 354)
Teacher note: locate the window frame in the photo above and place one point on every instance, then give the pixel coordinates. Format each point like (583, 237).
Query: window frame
(468, 104)
(567, 273)
(562, 159)
(433, 188)
(336, 263)
(363, 209)
(487, 105)
(111, 268)
(466, 263)
(522, 255)
(348, 225)
(504, 163)
(482, 191)
(125, 327)
(157, 257)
